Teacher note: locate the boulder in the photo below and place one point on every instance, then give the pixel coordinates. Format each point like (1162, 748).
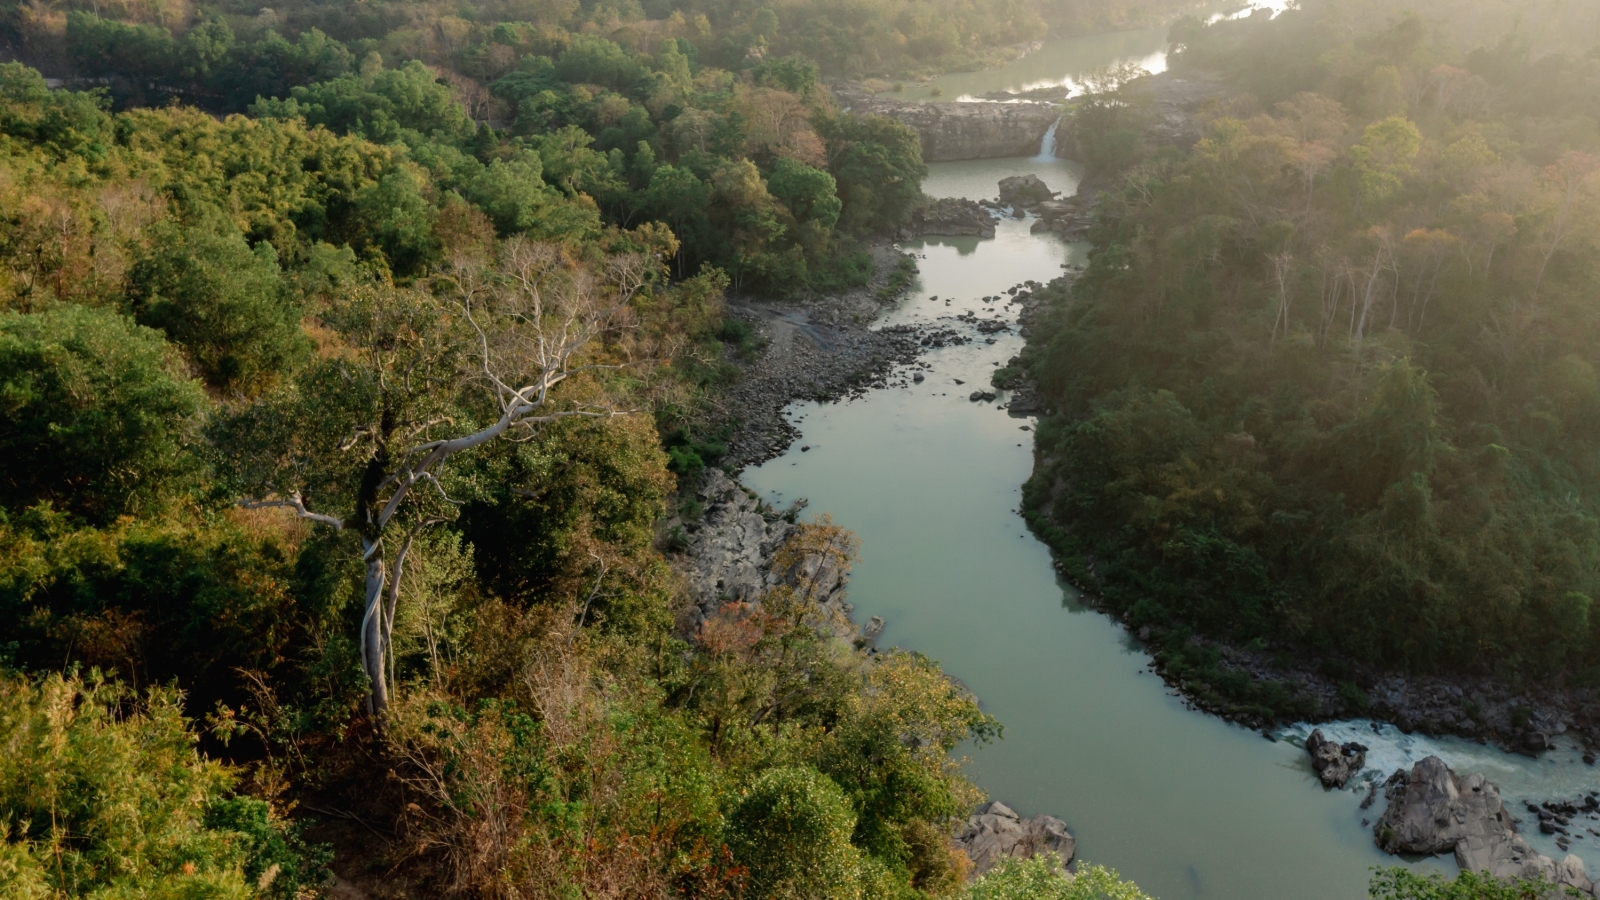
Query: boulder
(1335, 763)
(995, 832)
(951, 216)
(1051, 210)
(730, 552)
(1023, 191)
(1432, 810)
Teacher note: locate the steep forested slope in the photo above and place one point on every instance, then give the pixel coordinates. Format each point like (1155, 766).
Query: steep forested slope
(1329, 383)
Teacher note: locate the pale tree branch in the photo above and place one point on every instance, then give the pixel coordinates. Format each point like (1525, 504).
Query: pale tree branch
(294, 502)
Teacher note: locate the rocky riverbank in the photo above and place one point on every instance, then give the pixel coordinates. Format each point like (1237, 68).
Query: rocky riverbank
(818, 348)
(724, 541)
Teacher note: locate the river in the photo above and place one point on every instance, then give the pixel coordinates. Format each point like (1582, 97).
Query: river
(1181, 802)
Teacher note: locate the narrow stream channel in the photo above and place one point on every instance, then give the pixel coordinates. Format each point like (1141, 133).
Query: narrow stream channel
(1181, 802)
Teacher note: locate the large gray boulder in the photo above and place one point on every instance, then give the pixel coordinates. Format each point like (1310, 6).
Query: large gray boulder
(1335, 763)
(730, 548)
(1433, 810)
(1024, 191)
(995, 832)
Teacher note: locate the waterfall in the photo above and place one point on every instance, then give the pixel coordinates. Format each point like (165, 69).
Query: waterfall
(1047, 147)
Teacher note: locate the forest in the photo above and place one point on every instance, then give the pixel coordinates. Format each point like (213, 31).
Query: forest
(350, 357)
(1328, 389)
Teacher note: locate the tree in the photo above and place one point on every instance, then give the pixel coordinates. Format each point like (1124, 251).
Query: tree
(104, 794)
(791, 831)
(809, 193)
(878, 165)
(365, 440)
(95, 415)
(1035, 878)
(1383, 156)
(219, 299)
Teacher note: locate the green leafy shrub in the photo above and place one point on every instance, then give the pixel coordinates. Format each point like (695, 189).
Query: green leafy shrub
(791, 831)
(95, 415)
(1036, 878)
(104, 795)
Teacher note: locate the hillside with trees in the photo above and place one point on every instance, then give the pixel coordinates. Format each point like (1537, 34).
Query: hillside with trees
(1328, 388)
(350, 356)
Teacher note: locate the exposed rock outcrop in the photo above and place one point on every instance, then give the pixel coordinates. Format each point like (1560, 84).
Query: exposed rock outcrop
(1025, 190)
(1433, 810)
(1069, 217)
(730, 550)
(952, 216)
(952, 131)
(1335, 763)
(730, 546)
(995, 832)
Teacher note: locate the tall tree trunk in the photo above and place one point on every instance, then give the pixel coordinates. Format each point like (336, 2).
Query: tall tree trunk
(374, 634)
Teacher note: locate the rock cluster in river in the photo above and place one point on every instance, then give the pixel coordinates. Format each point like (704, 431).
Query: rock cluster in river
(1433, 810)
(950, 216)
(995, 832)
(1335, 763)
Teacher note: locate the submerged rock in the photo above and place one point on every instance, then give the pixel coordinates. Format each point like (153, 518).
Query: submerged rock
(995, 832)
(1433, 810)
(1335, 763)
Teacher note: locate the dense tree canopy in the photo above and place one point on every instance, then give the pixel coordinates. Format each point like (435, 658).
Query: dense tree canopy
(1328, 382)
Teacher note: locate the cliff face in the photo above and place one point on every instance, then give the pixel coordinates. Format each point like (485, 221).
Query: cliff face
(952, 131)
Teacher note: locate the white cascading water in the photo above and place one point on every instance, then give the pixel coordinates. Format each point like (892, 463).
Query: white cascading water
(1047, 147)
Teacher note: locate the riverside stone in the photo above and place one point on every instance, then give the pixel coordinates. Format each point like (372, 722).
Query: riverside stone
(1433, 810)
(1025, 190)
(995, 832)
(1335, 763)
(950, 216)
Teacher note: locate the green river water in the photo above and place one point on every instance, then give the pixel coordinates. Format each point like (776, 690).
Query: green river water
(1181, 802)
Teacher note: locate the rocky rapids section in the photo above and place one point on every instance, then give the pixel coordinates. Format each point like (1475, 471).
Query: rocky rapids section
(963, 130)
(1432, 810)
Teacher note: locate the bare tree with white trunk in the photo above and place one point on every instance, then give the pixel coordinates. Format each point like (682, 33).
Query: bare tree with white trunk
(363, 441)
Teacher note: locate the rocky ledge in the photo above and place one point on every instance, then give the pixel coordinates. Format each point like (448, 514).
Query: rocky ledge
(995, 832)
(1433, 810)
(952, 131)
(726, 551)
(950, 216)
